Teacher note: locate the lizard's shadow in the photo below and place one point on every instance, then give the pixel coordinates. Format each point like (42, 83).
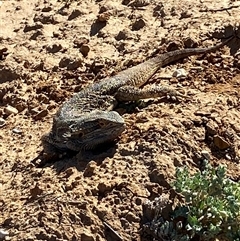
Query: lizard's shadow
(61, 161)
(79, 160)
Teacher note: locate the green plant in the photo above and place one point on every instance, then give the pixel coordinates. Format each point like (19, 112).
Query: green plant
(211, 208)
(212, 203)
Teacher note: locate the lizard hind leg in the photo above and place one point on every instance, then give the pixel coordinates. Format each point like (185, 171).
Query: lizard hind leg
(132, 93)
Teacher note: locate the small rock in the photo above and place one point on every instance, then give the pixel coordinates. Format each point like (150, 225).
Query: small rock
(10, 110)
(89, 170)
(180, 73)
(188, 123)
(41, 114)
(3, 53)
(45, 18)
(36, 191)
(190, 43)
(122, 35)
(131, 217)
(126, 2)
(70, 63)
(197, 68)
(173, 46)
(185, 14)
(139, 3)
(80, 41)
(220, 143)
(124, 222)
(30, 27)
(103, 187)
(75, 13)
(228, 157)
(206, 154)
(212, 127)
(138, 24)
(159, 11)
(104, 17)
(202, 113)
(86, 236)
(17, 131)
(138, 201)
(36, 35)
(54, 48)
(2, 122)
(3, 234)
(198, 62)
(47, 9)
(165, 76)
(84, 49)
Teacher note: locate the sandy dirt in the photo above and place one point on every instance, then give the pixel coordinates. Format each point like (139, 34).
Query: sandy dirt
(52, 49)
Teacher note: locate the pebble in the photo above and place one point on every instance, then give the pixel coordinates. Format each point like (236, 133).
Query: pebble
(2, 122)
(75, 13)
(220, 143)
(190, 43)
(17, 131)
(47, 9)
(197, 68)
(41, 114)
(206, 154)
(103, 17)
(31, 27)
(84, 49)
(132, 217)
(180, 73)
(104, 187)
(3, 234)
(122, 35)
(80, 41)
(35, 191)
(70, 63)
(86, 236)
(228, 157)
(90, 168)
(186, 14)
(10, 110)
(139, 3)
(54, 48)
(45, 18)
(138, 24)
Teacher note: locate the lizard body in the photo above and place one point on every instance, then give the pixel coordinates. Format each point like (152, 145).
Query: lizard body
(88, 117)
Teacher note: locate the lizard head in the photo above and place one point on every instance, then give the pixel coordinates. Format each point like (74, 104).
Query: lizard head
(86, 131)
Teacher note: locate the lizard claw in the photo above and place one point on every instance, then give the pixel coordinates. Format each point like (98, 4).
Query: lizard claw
(177, 95)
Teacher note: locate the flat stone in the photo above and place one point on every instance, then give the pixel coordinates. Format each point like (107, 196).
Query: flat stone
(17, 131)
(220, 143)
(41, 114)
(180, 73)
(206, 154)
(10, 110)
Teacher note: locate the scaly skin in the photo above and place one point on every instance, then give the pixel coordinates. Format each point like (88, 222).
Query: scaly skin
(88, 118)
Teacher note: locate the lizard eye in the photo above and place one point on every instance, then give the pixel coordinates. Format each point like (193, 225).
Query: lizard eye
(80, 134)
(102, 123)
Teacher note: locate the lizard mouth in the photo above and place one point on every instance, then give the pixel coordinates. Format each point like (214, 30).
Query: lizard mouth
(102, 136)
(96, 138)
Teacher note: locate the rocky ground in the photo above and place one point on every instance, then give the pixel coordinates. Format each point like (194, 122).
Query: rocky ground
(51, 49)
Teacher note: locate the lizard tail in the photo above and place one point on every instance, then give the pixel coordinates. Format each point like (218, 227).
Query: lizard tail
(172, 56)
